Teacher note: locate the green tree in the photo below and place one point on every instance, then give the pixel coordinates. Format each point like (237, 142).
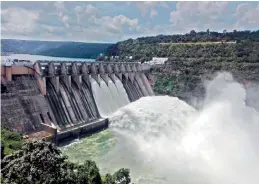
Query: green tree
(192, 32)
(122, 176)
(108, 179)
(88, 173)
(208, 31)
(38, 162)
(224, 31)
(42, 163)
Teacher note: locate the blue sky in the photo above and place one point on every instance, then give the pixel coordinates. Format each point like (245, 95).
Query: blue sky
(116, 21)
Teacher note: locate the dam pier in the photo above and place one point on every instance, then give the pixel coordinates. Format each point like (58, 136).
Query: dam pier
(60, 101)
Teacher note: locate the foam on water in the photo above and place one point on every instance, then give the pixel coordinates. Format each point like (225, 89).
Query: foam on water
(164, 140)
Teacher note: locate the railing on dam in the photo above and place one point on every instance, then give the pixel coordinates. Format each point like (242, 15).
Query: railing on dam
(101, 67)
(26, 69)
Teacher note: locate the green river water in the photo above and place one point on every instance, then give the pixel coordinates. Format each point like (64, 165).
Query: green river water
(110, 154)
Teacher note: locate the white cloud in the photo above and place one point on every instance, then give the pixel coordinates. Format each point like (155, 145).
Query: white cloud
(150, 6)
(65, 20)
(59, 5)
(17, 20)
(153, 13)
(85, 11)
(199, 15)
(86, 22)
(62, 13)
(247, 16)
(89, 15)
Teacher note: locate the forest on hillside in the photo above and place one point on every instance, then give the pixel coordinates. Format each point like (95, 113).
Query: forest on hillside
(195, 57)
(243, 44)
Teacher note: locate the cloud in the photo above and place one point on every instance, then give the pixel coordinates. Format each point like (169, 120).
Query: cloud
(247, 16)
(88, 14)
(65, 20)
(153, 13)
(18, 21)
(199, 15)
(150, 6)
(82, 21)
(85, 11)
(59, 5)
(62, 13)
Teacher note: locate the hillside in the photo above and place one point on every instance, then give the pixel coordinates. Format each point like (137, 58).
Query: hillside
(195, 57)
(55, 48)
(145, 48)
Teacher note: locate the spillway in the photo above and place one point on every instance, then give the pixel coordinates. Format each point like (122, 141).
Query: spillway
(97, 92)
(109, 96)
(57, 106)
(77, 97)
(88, 101)
(133, 90)
(122, 92)
(66, 99)
(82, 112)
(162, 139)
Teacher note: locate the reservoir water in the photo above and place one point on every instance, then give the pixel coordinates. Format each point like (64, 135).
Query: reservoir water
(34, 58)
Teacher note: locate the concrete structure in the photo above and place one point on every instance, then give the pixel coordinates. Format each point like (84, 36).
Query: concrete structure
(157, 60)
(56, 97)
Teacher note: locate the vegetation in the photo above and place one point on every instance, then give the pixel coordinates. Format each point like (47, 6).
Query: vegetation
(245, 45)
(193, 58)
(10, 141)
(183, 77)
(55, 48)
(41, 162)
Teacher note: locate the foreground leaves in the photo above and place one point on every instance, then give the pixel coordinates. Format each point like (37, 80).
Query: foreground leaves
(41, 162)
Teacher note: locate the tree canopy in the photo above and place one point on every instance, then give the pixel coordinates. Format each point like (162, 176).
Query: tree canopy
(41, 162)
(194, 44)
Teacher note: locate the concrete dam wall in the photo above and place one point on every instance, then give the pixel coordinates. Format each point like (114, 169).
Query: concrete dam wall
(66, 99)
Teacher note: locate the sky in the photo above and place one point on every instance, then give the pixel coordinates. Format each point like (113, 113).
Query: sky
(110, 22)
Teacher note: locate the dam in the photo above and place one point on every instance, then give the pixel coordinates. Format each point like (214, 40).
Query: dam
(62, 100)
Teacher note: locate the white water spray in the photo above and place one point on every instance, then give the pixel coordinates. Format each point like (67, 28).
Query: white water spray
(216, 145)
(115, 95)
(99, 97)
(109, 98)
(122, 91)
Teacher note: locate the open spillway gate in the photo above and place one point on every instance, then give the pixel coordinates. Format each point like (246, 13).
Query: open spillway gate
(73, 97)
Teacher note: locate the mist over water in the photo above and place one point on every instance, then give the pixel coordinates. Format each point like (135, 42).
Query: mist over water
(216, 145)
(164, 140)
